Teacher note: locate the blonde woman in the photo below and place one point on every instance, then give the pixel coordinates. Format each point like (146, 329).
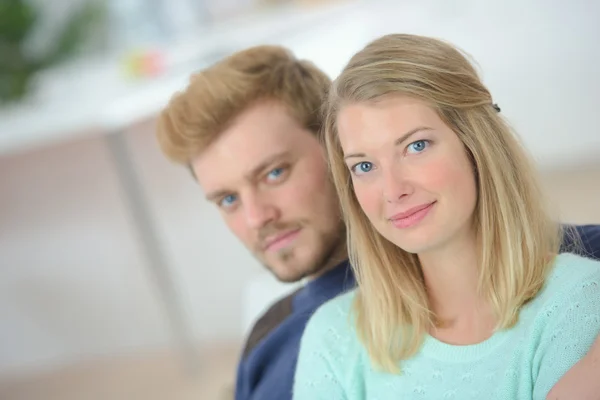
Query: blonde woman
(461, 291)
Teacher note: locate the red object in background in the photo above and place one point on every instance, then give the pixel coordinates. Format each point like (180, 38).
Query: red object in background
(153, 64)
(145, 63)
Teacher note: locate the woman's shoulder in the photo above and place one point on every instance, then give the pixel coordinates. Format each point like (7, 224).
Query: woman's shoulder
(571, 270)
(335, 312)
(331, 324)
(329, 351)
(566, 318)
(572, 278)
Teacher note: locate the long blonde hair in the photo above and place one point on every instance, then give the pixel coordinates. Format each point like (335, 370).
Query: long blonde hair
(518, 237)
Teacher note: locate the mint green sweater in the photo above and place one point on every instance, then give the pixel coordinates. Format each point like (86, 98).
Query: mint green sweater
(554, 331)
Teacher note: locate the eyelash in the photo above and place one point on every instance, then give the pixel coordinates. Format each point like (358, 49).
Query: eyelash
(220, 202)
(427, 144)
(426, 141)
(283, 169)
(353, 168)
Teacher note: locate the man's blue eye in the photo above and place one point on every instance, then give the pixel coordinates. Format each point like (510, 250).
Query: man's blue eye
(276, 173)
(362, 167)
(227, 201)
(418, 146)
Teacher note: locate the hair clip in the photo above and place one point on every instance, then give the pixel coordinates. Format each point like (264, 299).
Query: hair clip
(496, 107)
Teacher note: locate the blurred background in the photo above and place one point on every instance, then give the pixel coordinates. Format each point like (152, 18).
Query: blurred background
(117, 280)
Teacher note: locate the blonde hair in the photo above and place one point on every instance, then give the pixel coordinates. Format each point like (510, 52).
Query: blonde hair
(518, 238)
(194, 118)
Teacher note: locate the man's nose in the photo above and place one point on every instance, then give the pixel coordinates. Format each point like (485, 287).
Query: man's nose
(259, 211)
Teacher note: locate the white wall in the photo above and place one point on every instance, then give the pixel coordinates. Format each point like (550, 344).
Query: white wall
(72, 280)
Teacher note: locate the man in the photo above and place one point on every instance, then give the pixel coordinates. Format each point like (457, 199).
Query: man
(247, 128)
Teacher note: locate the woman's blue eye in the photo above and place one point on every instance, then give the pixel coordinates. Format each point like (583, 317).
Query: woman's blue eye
(362, 167)
(418, 146)
(227, 201)
(276, 173)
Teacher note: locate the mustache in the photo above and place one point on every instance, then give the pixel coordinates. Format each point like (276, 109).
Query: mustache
(274, 229)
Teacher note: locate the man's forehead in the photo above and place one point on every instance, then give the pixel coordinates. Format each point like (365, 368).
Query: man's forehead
(229, 166)
(256, 136)
(248, 152)
(256, 148)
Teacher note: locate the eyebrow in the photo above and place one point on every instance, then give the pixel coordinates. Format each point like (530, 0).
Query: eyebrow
(213, 196)
(398, 141)
(252, 174)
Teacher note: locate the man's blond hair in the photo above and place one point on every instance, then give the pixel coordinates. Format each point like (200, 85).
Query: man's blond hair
(215, 96)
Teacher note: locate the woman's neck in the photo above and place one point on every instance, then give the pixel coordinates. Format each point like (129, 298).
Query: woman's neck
(451, 277)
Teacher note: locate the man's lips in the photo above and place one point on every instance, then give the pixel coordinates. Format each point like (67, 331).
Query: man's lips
(280, 240)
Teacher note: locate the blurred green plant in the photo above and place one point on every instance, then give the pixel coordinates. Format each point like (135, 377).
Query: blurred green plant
(17, 22)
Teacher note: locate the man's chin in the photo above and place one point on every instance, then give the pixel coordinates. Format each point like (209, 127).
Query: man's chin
(287, 273)
(284, 276)
(288, 267)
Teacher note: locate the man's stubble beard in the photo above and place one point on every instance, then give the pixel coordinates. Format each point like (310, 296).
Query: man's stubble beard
(331, 255)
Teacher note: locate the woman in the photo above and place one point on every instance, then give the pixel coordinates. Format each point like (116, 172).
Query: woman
(461, 291)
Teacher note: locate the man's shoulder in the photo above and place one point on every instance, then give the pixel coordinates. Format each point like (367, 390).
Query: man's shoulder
(590, 239)
(582, 239)
(269, 320)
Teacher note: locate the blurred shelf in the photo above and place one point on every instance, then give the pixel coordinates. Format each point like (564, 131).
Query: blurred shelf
(93, 96)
